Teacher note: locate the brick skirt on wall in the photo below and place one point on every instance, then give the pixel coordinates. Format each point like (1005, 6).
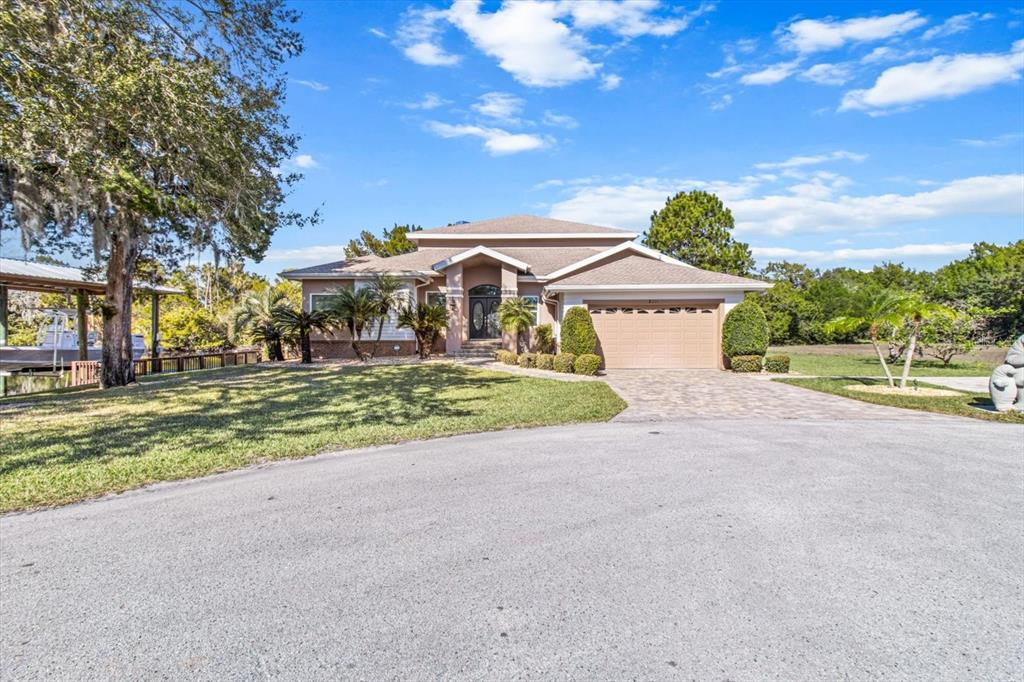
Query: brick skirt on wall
(342, 348)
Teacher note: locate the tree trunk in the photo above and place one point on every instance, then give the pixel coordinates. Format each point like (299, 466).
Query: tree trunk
(376, 341)
(276, 350)
(116, 365)
(881, 359)
(307, 350)
(910, 354)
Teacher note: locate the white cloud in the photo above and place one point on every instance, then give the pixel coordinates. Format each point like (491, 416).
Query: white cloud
(817, 159)
(551, 118)
(722, 102)
(429, 54)
(314, 254)
(528, 41)
(376, 183)
(1004, 140)
(430, 101)
(765, 253)
(304, 161)
(815, 35)
(891, 54)
(541, 43)
(497, 142)
(419, 36)
(956, 24)
(771, 75)
(630, 19)
(610, 82)
(500, 106)
(943, 77)
(377, 32)
(312, 85)
(828, 74)
(771, 212)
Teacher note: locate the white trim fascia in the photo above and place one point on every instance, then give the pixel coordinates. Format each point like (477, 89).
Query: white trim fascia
(598, 257)
(480, 251)
(415, 236)
(753, 286)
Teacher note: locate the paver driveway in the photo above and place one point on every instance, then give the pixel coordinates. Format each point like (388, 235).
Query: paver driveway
(667, 394)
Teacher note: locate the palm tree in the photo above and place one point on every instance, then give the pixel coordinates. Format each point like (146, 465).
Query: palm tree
(426, 322)
(355, 309)
(386, 293)
(917, 311)
(256, 315)
(876, 309)
(298, 324)
(516, 316)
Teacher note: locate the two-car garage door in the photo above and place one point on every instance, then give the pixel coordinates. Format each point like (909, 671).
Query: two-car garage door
(657, 336)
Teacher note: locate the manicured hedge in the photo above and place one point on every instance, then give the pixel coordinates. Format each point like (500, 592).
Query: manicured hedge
(564, 363)
(578, 336)
(587, 364)
(778, 364)
(528, 360)
(510, 358)
(746, 363)
(545, 361)
(745, 331)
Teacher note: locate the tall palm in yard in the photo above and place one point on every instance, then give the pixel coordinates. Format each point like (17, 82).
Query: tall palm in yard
(426, 322)
(355, 309)
(875, 310)
(298, 324)
(256, 316)
(917, 311)
(516, 316)
(386, 291)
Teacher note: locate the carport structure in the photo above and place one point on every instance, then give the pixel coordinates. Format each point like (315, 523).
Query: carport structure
(27, 276)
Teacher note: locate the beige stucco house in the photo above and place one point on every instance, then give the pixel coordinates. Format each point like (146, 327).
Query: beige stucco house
(649, 310)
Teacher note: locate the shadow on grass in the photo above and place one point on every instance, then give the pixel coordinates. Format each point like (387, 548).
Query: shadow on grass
(246, 408)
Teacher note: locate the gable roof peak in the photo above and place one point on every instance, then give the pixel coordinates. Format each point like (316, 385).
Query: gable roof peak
(522, 224)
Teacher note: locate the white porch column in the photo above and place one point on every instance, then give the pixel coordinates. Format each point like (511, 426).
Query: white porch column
(456, 308)
(509, 289)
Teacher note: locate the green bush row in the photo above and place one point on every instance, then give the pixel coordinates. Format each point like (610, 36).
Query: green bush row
(778, 364)
(564, 363)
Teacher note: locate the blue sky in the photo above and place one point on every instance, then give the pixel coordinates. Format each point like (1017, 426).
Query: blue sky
(838, 133)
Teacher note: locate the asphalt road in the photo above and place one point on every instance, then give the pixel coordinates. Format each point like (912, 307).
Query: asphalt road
(704, 549)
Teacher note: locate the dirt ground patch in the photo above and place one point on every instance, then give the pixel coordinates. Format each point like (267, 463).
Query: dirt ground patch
(917, 392)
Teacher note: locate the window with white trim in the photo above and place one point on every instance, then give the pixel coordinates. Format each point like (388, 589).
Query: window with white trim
(319, 301)
(437, 298)
(534, 303)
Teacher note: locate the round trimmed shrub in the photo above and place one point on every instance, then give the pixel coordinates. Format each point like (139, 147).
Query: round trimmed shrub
(511, 358)
(564, 363)
(499, 355)
(745, 331)
(778, 364)
(545, 361)
(528, 360)
(746, 363)
(578, 335)
(587, 364)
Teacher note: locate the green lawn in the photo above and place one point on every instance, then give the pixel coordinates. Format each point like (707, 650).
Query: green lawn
(964, 405)
(862, 365)
(64, 448)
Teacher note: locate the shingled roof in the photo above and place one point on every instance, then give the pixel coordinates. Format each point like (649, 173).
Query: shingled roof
(522, 224)
(638, 270)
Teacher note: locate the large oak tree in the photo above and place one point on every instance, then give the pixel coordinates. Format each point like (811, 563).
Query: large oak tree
(144, 128)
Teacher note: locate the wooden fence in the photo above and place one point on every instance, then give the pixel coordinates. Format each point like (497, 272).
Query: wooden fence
(86, 372)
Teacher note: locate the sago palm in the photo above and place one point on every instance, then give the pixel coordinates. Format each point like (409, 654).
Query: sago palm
(516, 316)
(386, 291)
(355, 309)
(426, 322)
(298, 324)
(255, 315)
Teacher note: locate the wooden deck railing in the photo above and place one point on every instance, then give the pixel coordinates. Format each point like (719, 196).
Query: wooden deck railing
(86, 372)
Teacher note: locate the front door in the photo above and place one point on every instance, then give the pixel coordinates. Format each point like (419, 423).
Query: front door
(483, 317)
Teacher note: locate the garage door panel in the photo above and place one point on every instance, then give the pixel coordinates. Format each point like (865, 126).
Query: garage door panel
(657, 336)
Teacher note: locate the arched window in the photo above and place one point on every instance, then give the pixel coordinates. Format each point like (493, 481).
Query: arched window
(485, 290)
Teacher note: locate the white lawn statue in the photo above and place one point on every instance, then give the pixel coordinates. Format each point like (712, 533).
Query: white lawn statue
(1007, 383)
